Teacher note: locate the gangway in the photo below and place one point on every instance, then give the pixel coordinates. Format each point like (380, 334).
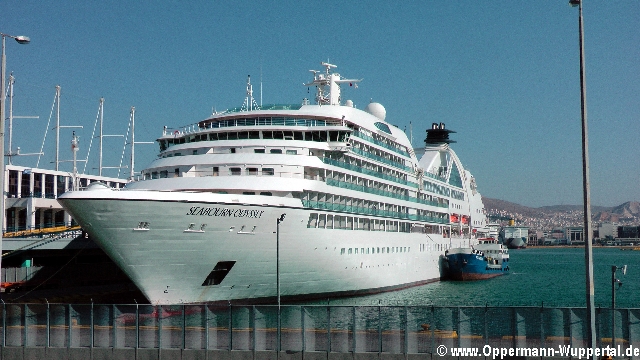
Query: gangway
(41, 231)
(37, 243)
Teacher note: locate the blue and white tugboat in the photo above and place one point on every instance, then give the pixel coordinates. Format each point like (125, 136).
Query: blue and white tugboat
(485, 260)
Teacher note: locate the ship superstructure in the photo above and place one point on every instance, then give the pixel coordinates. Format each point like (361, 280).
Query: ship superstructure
(363, 214)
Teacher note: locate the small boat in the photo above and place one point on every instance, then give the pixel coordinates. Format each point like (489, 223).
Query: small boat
(485, 260)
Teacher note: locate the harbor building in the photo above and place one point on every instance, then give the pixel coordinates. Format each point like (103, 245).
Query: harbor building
(514, 236)
(628, 232)
(574, 234)
(608, 230)
(31, 194)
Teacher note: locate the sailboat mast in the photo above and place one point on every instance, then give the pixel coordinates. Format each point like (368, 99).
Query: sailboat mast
(133, 141)
(101, 135)
(58, 128)
(11, 80)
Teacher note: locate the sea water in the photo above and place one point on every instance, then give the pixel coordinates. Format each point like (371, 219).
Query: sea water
(550, 276)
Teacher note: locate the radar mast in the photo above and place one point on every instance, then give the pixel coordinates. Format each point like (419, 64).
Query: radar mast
(328, 85)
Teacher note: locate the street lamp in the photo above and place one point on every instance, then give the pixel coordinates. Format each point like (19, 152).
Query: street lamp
(21, 40)
(615, 281)
(588, 233)
(279, 220)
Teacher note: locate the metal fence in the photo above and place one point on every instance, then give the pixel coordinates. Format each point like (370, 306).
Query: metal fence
(356, 329)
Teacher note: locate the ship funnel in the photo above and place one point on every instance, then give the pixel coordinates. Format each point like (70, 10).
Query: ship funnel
(438, 135)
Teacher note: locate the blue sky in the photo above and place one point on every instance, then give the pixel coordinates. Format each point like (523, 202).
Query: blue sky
(503, 74)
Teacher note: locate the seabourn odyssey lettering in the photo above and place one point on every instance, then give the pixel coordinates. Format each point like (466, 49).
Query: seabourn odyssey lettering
(225, 212)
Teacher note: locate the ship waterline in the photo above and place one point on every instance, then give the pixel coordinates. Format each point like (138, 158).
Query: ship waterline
(363, 213)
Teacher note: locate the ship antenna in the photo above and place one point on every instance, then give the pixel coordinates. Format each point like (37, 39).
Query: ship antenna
(260, 85)
(249, 102)
(328, 85)
(411, 133)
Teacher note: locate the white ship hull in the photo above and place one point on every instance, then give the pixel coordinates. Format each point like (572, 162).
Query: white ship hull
(169, 263)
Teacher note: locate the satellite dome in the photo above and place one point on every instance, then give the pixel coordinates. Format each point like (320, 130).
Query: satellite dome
(348, 103)
(377, 110)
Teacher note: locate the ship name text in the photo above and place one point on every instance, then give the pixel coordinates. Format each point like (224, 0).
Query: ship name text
(225, 212)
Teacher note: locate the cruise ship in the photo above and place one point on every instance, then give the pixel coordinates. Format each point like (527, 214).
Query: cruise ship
(300, 201)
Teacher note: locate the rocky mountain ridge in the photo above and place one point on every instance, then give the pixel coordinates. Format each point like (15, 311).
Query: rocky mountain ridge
(549, 217)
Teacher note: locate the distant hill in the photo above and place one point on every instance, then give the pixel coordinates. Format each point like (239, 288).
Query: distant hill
(624, 212)
(509, 207)
(560, 215)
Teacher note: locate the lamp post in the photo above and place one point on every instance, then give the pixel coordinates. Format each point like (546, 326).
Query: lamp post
(588, 234)
(615, 281)
(21, 40)
(279, 220)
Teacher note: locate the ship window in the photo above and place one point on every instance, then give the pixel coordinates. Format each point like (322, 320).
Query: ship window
(195, 152)
(329, 221)
(216, 171)
(276, 151)
(218, 273)
(342, 251)
(258, 151)
(313, 219)
(222, 136)
(254, 134)
(248, 193)
(267, 171)
(267, 134)
(266, 193)
(322, 221)
(176, 172)
(252, 171)
(232, 136)
(232, 150)
(213, 136)
(235, 171)
(350, 251)
(278, 135)
(297, 135)
(454, 178)
(154, 175)
(288, 135)
(164, 174)
(383, 127)
(333, 136)
(292, 152)
(243, 135)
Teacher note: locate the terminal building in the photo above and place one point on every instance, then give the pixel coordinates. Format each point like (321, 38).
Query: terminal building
(45, 255)
(31, 198)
